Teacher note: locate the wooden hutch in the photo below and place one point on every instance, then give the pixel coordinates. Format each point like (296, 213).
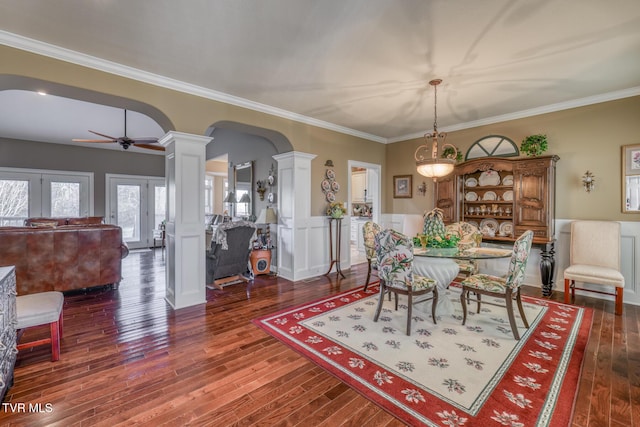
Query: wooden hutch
(507, 196)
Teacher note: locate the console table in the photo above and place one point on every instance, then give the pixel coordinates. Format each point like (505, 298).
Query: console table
(335, 261)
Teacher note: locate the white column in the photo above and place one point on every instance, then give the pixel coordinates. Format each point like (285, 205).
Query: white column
(185, 231)
(294, 211)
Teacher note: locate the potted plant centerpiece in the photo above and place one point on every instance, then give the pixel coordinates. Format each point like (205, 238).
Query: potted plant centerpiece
(450, 153)
(534, 145)
(434, 237)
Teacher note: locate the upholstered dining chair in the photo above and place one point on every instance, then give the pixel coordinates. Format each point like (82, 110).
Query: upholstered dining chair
(594, 257)
(502, 287)
(369, 232)
(470, 237)
(394, 253)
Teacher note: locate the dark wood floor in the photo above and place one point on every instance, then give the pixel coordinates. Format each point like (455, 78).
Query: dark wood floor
(127, 358)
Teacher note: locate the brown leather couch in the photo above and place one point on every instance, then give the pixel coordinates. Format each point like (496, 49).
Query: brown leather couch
(63, 257)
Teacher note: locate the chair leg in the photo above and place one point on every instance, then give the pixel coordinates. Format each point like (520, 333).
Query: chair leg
(479, 299)
(567, 289)
(55, 340)
(463, 301)
(366, 283)
(434, 303)
(380, 301)
(521, 310)
(409, 312)
(512, 318)
(619, 293)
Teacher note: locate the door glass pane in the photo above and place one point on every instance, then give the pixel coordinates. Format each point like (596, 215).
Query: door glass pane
(14, 201)
(128, 213)
(65, 199)
(160, 206)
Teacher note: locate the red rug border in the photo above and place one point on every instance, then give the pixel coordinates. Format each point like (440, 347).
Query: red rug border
(562, 415)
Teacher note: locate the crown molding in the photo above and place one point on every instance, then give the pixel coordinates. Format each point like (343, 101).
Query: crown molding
(582, 102)
(67, 55)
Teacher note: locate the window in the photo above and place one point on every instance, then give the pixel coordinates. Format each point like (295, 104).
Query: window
(492, 146)
(32, 193)
(208, 194)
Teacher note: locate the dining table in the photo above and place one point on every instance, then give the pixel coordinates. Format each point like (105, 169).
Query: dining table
(439, 264)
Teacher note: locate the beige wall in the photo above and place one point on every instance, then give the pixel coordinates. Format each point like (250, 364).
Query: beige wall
(585, 138)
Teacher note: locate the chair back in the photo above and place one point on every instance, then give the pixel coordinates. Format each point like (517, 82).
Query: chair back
(595, 243)
(470, 236)
(394, 253)
(369, 232)
(518, 264)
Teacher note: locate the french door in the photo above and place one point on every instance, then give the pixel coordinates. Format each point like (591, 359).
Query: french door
(35, 193)
(137, 205)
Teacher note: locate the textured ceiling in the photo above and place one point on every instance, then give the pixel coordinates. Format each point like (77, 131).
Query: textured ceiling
(361, 65)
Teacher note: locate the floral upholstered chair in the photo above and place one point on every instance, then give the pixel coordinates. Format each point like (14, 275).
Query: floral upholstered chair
(507, 288)
(369, 232)
(394, 252)
(470, 237)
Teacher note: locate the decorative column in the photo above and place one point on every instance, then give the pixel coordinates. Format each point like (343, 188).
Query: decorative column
(294, 211)
(185, 231)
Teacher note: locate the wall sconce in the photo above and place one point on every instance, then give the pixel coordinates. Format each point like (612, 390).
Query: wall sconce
(261, 189)
(422, 188)
(588, 182)
(329, 163)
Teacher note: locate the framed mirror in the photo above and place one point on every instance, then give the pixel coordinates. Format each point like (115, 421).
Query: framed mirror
(243, 188)
(631, 178)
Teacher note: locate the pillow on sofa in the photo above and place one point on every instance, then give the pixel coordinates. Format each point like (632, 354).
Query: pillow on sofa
(89, 220)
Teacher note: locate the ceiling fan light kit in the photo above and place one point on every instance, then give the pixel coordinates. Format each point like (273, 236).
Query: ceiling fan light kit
(124, 141)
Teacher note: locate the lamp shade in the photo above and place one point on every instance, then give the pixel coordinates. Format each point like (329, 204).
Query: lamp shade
(267, 216)
(433, 168)
(231, 198)
(245, 198)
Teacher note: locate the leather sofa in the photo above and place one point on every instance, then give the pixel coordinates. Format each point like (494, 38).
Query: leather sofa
(63, 257)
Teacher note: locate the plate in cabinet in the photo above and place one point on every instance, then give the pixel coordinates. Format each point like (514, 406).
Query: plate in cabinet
(489, 177)
(471, 196)
(471, 182)
(490, 223)
(508, 195)
(507, 180)
(490, 196)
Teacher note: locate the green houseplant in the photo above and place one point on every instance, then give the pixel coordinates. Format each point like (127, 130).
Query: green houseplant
(534, 145)
(448, 153)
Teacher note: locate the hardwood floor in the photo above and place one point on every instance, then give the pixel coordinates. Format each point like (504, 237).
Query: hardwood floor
(127, 358)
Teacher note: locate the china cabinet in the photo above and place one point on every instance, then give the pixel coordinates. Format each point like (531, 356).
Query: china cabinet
(504, 197)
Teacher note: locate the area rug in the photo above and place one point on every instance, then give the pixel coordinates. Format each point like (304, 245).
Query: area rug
(445, 374)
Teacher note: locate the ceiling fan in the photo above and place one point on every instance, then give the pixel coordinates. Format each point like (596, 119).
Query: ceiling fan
(125, 141)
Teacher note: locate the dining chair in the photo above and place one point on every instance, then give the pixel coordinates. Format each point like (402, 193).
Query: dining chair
(594, 257)
(369, 232)
(507, 287)
(394, 253)
(470, 237)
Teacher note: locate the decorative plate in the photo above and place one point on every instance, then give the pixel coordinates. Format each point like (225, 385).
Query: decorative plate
(471, 196)
(507, 180)
(471, 182)
(331, 174)
(506, 229)
(508, 195)
(335, 186)
(326, 185)
(271, 198)
(271, 180)
(490, 195)
(491, 223)
(489, 178)
(331, 197)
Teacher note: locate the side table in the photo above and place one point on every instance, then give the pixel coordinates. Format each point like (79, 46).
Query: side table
(260, 261)
(335, 261)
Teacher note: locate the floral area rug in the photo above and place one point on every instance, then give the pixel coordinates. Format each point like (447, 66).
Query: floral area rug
(445, 374)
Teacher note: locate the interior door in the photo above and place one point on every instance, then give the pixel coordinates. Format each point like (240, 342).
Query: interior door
(137, 205)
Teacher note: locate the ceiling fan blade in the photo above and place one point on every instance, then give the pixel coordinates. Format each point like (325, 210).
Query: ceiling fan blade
(106, 136)
(146, 140)
(93, 140)
(150, 147)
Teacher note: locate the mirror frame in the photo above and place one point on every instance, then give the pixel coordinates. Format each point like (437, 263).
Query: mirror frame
(630, 168)
(242, 166)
